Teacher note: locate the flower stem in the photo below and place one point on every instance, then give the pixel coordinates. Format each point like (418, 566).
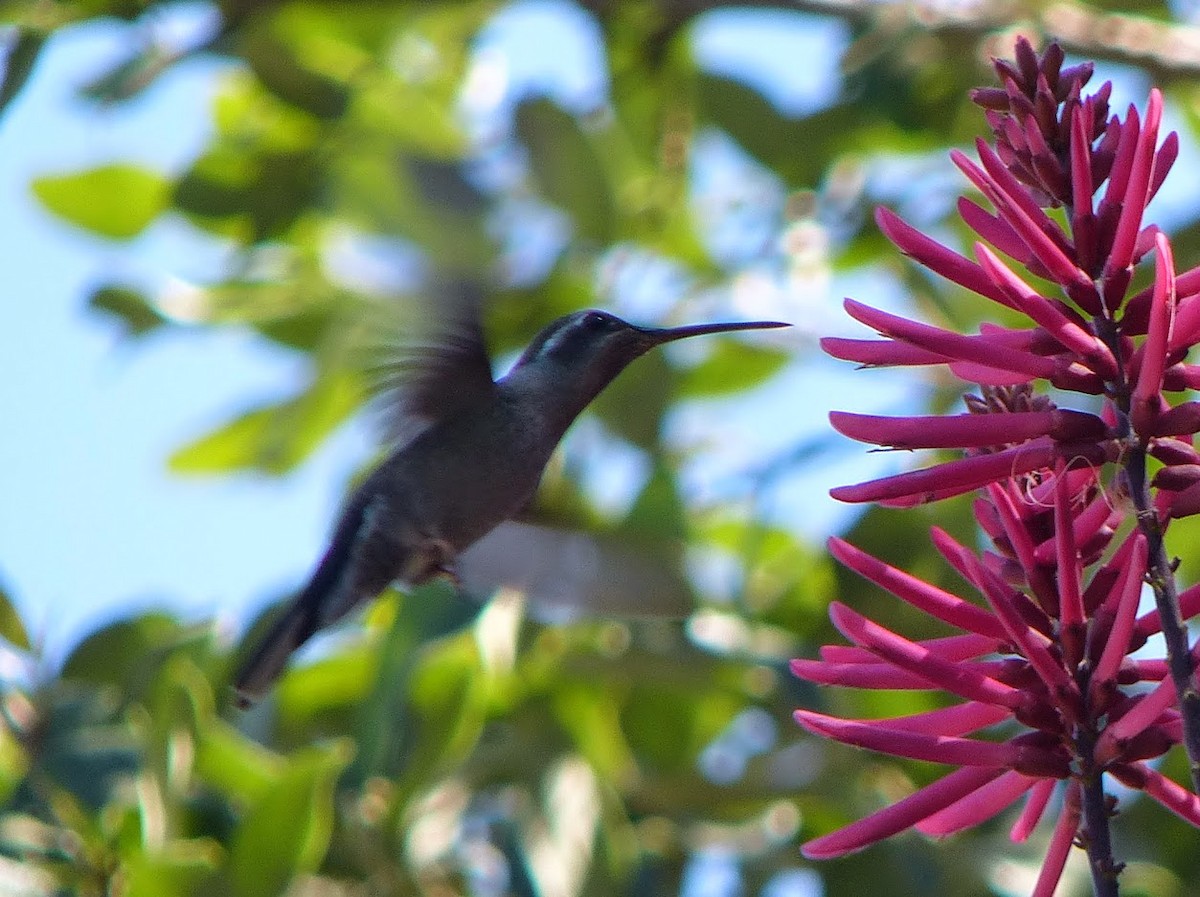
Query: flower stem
(1161, 576)
(1097, 836)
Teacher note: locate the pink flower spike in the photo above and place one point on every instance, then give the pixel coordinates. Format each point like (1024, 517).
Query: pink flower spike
(899, 816)
(956, 678)
(1083, 220)
(1060, 844)
(954, 345)
(1144, 713)
(1174, 797)
(1134, 197)
(879, 353)
(921, 746)
(934, 256)
(1117, 644)
(1145, 401)
(979, 806)
(915, 591)
(968, 430)
(963, 474)
(1091, 349)
(1031, 813)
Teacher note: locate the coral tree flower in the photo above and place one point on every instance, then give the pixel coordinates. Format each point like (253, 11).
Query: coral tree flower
(1039, 668)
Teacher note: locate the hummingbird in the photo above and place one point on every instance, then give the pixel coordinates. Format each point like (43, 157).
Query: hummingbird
(469, 454)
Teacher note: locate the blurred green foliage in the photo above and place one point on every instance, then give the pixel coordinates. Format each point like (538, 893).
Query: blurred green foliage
(444, 748)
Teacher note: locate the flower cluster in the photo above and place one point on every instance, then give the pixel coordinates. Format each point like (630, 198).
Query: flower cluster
(1043, 666)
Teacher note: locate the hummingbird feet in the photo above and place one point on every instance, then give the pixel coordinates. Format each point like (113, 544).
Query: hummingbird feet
(434, 558)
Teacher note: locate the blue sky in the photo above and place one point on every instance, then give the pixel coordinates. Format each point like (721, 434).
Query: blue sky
(93, 524)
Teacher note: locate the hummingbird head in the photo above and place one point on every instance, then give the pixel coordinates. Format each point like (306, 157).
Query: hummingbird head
(583, 352)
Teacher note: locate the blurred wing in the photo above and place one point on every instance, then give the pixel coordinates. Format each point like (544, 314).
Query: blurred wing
(426, 356)
(570, 574)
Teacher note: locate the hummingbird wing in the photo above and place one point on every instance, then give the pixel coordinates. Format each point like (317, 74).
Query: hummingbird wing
(427, 359)
(568, 574)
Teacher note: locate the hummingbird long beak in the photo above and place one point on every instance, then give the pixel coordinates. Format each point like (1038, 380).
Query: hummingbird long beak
(660, 335)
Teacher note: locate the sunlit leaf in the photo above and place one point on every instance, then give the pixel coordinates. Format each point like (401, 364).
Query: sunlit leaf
(286, 833)
(12, 630)
(174, 870)
(274, 438)
(116, 200)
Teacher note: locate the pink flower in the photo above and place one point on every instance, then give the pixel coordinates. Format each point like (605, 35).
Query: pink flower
(1045, 692)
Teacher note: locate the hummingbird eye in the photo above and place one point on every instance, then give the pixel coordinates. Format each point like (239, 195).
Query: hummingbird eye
(596, 320)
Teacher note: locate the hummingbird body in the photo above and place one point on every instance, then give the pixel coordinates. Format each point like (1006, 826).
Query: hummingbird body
(475, 463)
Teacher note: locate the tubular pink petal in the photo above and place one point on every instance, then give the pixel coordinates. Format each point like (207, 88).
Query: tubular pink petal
(966, 430)
(1150, 623)
(971, 372)
(1165, 158)
(1083, 221)
(1128, 133)
(996, 231)
(951, 647)
(1145, 712)
(1085, 524)
(1060, 845)
(1179, 377)
(899, 816)
(979, 806)
(1177, 477)
(1146, 393)
(1037, 230)
(1171, 795)
(934, 256)
(914, 745)
(1185, 503)
(879, 675)
(960, 719)
(879, 353)
(1088, 347)
(920, 594)
(1022, 544)
(953, 345)
(1182, 420)
(1187, 317)
(1031, 813)
(1133, 199)
(1031, 643)
(954, 477)
(1117, 644)
(956, 678)
(1069, 591)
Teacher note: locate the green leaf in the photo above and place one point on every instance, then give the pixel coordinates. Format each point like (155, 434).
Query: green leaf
(122, 652)
(275, 438)
(19, 58)
(731, 367)
(12, 630)
(116, 200)
(566, 168)
(130, 307)
(286, 833)
(174, 870)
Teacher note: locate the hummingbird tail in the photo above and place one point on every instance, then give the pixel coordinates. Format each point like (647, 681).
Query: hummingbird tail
(265, 665)
(331, 593)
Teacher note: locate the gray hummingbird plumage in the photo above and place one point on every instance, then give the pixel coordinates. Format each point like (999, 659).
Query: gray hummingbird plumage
(471, 452)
